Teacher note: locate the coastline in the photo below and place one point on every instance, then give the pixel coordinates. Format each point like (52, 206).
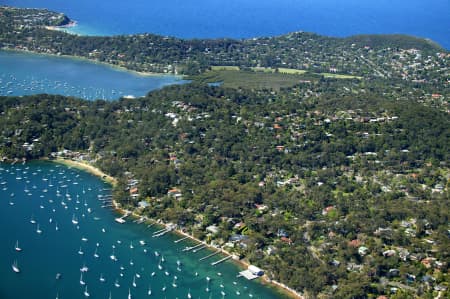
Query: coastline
(82, 58)
(88, 168)
(282, 288)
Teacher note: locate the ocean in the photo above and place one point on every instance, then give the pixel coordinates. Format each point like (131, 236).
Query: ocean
(250, 18)
(25, 73)
(72, 253)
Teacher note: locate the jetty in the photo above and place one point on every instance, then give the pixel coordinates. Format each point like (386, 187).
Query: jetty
(220, 261)
(121, 220)
(193, 247)
(179, 240)
(198, 249)
(209, 255)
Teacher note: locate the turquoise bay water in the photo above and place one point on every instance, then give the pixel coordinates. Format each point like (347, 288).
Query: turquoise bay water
(52, 195)
(25, 74)
(249, 18)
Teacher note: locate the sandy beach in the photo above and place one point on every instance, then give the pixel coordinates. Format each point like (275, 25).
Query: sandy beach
(89, 168)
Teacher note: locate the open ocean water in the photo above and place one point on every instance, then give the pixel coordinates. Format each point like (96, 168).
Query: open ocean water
(50, 197)
(250, 18)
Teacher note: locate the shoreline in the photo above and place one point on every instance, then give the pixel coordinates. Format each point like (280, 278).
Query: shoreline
(281, 288)
(82, 58)
(88, 168)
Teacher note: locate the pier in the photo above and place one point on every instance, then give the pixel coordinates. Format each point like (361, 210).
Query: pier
(220, 261)
(198, 249)
(179, 240)
(193, 247)
(208, 256)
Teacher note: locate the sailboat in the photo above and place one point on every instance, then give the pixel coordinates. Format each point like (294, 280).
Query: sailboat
(116, 284)
(81, 279)
(174, 283)
(38, 230)
(86, 293)
(149, 292)
(17, 248)
(159, 266)
(207, 283)
(15, 267)
(113, 256)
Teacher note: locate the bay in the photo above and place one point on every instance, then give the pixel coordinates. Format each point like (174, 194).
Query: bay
(53, 195)
(26, 73)
(250, 18)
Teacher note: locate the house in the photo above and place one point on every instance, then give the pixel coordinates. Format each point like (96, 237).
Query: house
(212, 229)
(286, 240)
(176, 193)
(143, 204)
(389, 253)
(362, 250)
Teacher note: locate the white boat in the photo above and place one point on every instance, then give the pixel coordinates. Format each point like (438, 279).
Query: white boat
(96, 254)
(38, 230)
(189, 294)
(17, 248)
(113, 256)
(131, 245)
(134, 281)
(74, 220)
(129, 293)
(149, 291)
(102, 279)
(81, 279)
(116, 284)
(86, 293)
(15, 267)
(84, 268)
(80, 252)
(32, 220)
(174, 283)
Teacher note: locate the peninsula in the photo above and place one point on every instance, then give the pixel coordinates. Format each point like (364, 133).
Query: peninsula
(325, 163)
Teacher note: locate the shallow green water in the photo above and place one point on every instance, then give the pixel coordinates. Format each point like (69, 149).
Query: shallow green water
(52, 195)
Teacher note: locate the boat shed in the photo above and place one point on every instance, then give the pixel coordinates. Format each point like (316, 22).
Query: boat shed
(252, 272)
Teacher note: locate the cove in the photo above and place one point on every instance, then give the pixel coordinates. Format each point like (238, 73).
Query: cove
(27, 73)
(67, 241)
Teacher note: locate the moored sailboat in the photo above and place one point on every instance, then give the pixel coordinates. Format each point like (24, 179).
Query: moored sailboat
(15, 267)
(16, 247)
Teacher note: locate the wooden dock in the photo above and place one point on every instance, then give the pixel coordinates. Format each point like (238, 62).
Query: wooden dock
(220, 261)
(179, 240)
(209, 255)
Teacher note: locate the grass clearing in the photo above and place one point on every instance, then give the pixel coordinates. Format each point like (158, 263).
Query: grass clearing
(248, 79)
(224, 68)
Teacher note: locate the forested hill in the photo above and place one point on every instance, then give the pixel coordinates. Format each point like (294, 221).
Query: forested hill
(337, 188)
(371, 56)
